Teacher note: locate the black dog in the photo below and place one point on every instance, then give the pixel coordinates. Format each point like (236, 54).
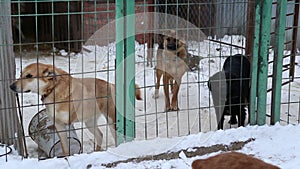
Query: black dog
(230, 90)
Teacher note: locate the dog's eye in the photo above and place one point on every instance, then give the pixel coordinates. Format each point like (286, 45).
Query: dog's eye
(28, 76)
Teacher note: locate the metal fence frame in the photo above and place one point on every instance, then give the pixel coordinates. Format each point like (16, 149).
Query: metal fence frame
(257, 31)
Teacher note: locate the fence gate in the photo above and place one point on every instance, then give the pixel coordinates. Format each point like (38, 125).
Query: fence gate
(282, 16)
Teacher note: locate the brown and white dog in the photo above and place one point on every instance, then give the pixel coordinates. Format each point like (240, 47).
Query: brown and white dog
(171, 64)
(68, 99)
(232, 160)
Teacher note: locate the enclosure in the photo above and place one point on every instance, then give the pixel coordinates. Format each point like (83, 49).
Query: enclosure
(117, 41)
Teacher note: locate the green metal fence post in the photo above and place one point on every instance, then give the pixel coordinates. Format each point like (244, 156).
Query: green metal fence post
(119, 72)
(253, 114)
(130, 71)
(259, 75)
(263, 61)
(278, 57)
(125, 70)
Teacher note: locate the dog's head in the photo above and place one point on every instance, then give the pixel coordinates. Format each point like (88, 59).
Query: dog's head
(172, 41)
(193, 61)
(37, 78)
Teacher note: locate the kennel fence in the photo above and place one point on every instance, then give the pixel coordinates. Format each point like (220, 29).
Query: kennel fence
(86, 39)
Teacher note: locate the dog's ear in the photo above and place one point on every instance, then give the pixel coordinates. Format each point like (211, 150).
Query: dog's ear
(172, 33)
(50, 74)
(160, 41)
(182, 39)
(160, 38)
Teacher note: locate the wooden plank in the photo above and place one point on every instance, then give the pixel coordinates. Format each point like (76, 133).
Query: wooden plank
(10, 128)
(250, 29)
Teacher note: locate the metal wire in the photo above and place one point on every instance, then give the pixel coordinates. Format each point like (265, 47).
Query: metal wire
(8, 150)
(69, 24)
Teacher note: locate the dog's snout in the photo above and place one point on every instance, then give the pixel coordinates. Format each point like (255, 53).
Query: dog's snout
(13, 86)
(172, 46)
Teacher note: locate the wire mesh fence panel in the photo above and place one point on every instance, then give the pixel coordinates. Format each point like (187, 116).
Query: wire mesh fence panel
(50, 50)
(190, 69)
(288, 108)
(196, 24)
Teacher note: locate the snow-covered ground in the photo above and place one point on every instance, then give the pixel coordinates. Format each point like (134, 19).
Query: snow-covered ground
(160, 132)
(278, 145)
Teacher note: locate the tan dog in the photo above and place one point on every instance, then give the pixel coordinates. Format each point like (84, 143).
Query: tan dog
(232, 160)
(171, 63)
(69, 99)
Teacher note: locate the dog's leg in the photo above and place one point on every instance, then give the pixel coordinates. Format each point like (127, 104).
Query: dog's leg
(175, 89)
(220, 121)
(158, 77)
(166, 79)
(149, 57)
(98, 135)
(220, 113)
(172, 84)
(112, 127)
(62, 134)
(242, 116)
(233, 119)
(150, 49)
(159, 70)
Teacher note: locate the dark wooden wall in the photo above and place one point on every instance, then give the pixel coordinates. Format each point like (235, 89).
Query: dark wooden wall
(52, 22)
(200, 13)
(64, 28)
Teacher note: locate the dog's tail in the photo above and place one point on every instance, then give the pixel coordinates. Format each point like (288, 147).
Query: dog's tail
(138, 92)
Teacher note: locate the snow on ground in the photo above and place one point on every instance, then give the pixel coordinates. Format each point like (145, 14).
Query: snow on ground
(278, 145)
(165, 132)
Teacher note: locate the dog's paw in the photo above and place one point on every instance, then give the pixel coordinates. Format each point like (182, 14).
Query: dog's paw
(175, 108)
(233, 121)
(155, 96)
(98, 148)
(168, 108)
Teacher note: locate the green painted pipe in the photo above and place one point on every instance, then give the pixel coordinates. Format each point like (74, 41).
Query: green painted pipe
(120, 108)
(130, 71)
(263, 61)
(254, 66)
(278, 59)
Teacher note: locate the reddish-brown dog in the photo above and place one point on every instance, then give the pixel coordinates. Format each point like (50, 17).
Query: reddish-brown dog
(232, 160)
(171, 64)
